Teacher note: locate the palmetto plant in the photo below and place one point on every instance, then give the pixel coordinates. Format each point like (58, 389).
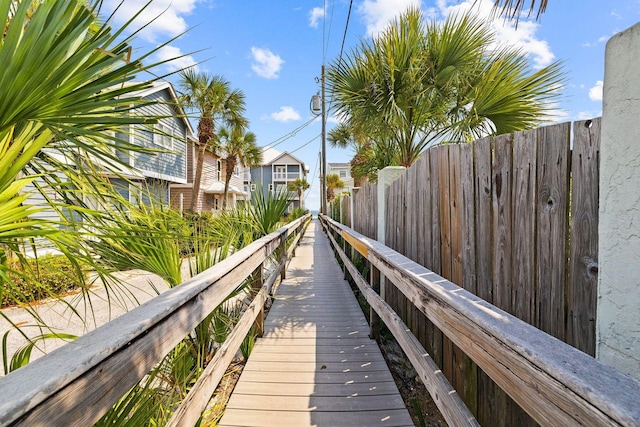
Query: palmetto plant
(66, 89)
(420, 83)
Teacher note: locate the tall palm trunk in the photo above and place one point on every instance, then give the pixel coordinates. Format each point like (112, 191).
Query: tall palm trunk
(205, 133)
(231, 165)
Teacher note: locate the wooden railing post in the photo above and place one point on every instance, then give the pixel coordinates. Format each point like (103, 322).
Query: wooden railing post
(283, 257)
(256, 285)
(374, 319)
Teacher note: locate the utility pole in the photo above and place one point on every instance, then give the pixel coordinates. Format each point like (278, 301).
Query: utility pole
(323, 167)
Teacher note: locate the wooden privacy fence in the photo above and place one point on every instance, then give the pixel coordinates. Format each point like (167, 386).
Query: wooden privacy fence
(553, 382)
(79, 382)
(512, 219)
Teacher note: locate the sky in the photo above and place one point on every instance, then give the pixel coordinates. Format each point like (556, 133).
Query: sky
(274, 51)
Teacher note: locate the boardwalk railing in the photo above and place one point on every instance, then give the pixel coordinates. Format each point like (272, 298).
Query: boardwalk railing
(553, 382)
(79, 382)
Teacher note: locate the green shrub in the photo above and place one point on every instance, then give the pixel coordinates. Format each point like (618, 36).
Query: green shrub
(41, 278)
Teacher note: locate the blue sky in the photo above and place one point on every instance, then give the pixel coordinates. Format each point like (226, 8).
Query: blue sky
(274, 50)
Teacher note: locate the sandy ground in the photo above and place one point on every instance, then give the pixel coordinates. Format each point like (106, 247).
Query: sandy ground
(78, 314)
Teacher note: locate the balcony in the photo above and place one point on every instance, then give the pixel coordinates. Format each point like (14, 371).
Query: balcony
(285, 176)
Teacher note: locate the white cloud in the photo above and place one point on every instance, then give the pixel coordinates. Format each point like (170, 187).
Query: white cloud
(315, 15)
(286, 114)
(595, 93)
(169, 52)
(376, 14)
(167, 16)
(265, 63)
(524, 37)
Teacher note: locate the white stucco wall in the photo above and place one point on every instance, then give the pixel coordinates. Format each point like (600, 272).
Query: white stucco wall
(618, 317)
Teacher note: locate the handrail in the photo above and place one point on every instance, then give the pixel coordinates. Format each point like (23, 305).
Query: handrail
(77, 383)
(553, 382)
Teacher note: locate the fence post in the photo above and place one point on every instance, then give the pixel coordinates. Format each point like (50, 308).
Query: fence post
(256, 284)
(283, 256)
(385, 177)
(374, 319)
(618, 323)
(352, 199)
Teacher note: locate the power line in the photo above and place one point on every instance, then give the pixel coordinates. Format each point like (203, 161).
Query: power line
(291, 134)
(326, 42)
(344, 36)
(305, 144)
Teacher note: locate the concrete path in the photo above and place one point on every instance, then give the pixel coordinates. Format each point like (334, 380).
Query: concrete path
(92, 310)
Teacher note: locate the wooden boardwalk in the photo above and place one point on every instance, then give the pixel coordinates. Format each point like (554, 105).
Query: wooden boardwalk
(315, 365)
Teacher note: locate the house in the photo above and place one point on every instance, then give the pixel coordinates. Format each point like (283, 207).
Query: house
(151, 174)
(343, 170)
(277, 170)
(211, 192)
(143, 175)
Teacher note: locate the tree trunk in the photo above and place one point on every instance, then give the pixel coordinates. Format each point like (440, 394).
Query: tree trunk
(231, 164)
(205, 133)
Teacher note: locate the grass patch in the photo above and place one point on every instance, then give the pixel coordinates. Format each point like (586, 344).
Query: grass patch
(40, 278)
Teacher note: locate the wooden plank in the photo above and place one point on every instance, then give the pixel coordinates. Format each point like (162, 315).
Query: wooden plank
(296, 389)
(316, 403)
(286, 367)
(554, 382)
(483, 191)
(524, 225)
(470, 370)
(502, 249)
(434, 336)
(551, 247)
(273, 418)
(523, 241)
(582, 290)
(483, 205)
(359, 356)
(458, 362)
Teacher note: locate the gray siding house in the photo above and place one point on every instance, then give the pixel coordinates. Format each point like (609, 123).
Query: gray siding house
(277, 170)
(155, 172)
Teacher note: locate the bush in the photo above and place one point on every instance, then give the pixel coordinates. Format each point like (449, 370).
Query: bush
(41, 278)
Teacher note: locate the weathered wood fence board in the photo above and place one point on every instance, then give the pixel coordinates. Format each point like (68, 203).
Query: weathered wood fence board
(493, 216)
(583, 278)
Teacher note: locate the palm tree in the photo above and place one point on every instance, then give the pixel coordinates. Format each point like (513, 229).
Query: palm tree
(513, 8)
(215, 103)
(298, 185)
(417, 84)
(240, 148)
(333, 182)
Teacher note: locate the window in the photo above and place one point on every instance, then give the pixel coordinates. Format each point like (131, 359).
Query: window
(280, 172)
(163, 136)
(236, 171)
(253, 187)
(343, 174)
(218, 170)
(270, 187)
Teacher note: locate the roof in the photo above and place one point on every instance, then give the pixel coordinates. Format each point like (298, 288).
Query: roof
(270, 155)
(218, 188)
(157, 86)
(339, 165)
